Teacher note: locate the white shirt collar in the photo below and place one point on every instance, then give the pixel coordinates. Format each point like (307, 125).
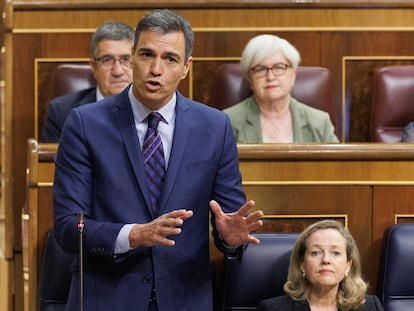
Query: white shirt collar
(99, 95)
(141, 112)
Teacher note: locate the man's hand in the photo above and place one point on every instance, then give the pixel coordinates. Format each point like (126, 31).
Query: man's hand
(235, 228)
(157, 231)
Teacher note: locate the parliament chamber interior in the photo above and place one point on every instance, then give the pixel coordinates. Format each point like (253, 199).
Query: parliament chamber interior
(357, 64)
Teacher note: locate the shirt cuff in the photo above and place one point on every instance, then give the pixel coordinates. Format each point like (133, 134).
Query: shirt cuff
(122, 241)
(232, 252)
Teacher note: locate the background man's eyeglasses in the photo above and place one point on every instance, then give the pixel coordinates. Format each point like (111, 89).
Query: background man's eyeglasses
(107, 62)
(278, 69)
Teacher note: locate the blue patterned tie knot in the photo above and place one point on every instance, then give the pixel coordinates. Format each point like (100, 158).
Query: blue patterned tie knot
(154, 119)
(154, 161)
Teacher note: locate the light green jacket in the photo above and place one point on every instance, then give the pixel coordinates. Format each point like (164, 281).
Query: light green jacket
(309, 124)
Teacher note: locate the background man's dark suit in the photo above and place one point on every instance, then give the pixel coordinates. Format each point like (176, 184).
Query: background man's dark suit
(58, 110)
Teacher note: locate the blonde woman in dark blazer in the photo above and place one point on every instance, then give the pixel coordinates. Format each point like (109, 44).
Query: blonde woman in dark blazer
(324, 274)
(271, 115)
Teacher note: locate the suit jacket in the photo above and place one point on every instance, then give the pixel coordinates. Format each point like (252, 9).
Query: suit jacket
(309, 124)
(58, 110)
(285, 303)
(100, 172)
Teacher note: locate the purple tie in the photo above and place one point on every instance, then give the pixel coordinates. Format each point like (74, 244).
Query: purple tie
(154, 161)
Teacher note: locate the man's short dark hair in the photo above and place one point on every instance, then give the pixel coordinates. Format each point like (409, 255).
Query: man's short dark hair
(167, 21)
(110, 30)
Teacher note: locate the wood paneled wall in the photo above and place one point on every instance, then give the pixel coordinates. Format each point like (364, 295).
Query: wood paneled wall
(350, 38)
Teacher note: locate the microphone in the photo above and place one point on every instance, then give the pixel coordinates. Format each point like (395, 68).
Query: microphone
(81, 222)
(81, 226)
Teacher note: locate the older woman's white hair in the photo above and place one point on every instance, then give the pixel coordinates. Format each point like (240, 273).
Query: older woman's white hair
(263, 47)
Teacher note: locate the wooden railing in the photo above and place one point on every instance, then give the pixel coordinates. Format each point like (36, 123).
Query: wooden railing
(37, 214)
(366, 186)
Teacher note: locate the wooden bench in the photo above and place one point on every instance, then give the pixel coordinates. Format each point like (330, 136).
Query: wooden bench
(37, 214)
(366, 186)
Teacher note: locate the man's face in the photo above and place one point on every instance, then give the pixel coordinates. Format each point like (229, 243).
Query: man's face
(112, 76)
(158, 67)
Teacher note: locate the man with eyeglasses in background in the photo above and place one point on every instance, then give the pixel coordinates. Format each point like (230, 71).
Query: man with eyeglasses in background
(110, 62)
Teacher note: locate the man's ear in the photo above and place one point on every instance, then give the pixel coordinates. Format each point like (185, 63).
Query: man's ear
(92, 64)
(187, 67)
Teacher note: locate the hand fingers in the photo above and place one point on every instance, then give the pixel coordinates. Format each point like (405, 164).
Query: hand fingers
(166, 242)
(246, 207)
(215, 207)
(181, 213)
(163, 229)
(255, 225)
(253, 240)
(162, 239)
(186, 215)
(254, 216)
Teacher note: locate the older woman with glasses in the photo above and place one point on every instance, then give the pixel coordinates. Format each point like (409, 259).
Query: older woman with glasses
(271, 114)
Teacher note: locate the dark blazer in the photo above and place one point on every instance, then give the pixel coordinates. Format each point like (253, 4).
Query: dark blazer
(285, 303)
(58, 110)
(100, 172)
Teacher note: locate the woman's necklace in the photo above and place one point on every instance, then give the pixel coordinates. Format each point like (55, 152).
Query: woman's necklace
(277, 128)
(275, 125)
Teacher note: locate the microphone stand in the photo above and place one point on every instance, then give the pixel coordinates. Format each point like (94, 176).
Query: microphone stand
(81, 225)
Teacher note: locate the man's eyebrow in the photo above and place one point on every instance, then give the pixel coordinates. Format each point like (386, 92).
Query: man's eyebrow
(166, 54)
(173, 54)
(114, 55)
(144, 49)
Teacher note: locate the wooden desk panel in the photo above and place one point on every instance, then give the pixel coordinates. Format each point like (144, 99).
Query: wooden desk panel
(372, 185)
(366, 186)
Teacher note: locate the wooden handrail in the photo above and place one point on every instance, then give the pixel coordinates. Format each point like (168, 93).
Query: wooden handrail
(211, 4)
(318, 152)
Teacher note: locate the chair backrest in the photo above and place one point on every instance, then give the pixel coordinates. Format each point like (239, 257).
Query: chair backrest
(55, 276)
(260, 274)
(313, 87)
(69, 78)
(395, 285)
(392, 102)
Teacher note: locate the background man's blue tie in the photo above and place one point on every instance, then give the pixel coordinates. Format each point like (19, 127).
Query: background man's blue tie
(154, 161)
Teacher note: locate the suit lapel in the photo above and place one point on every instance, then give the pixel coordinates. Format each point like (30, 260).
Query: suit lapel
(181, 131)
(252, 128)
(128, 132)
(89, 97)
(301, 132)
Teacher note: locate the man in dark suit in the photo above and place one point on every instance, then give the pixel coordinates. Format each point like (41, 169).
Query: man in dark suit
(110, 63)
(137, 257)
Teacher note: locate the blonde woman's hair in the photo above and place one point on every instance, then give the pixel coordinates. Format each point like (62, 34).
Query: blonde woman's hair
(352, 289)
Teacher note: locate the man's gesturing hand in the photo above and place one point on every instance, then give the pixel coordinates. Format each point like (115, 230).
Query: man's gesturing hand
(235, 228)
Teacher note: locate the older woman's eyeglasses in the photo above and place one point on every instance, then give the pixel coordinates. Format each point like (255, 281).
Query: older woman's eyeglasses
(278, 69)
(107, 61)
